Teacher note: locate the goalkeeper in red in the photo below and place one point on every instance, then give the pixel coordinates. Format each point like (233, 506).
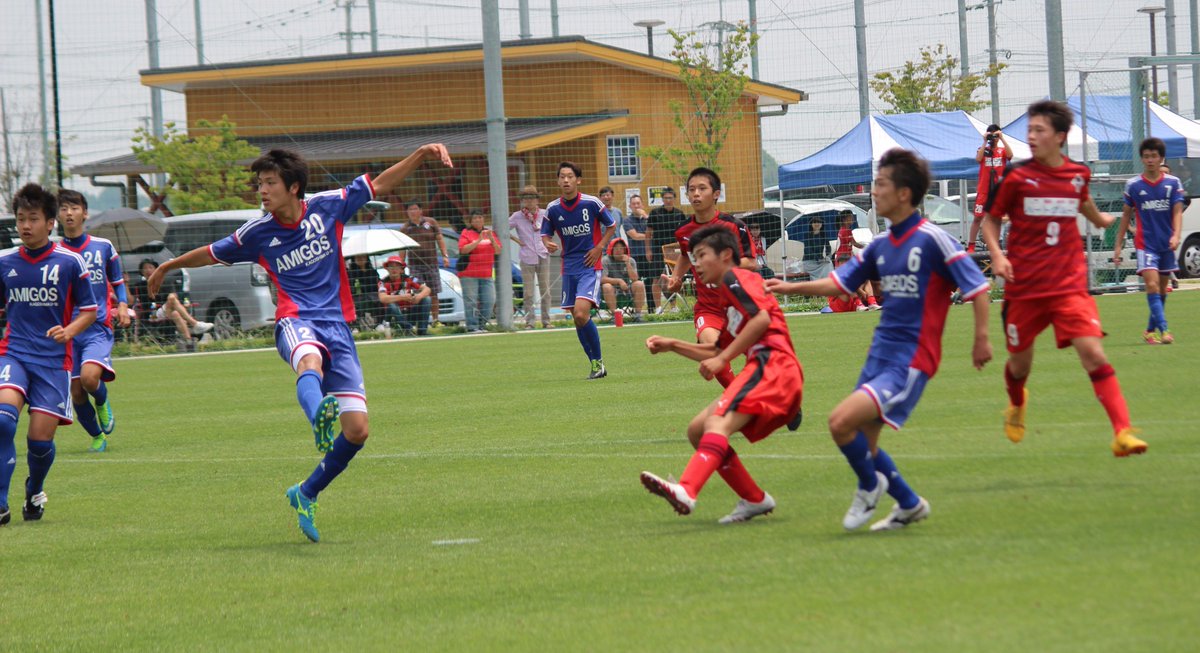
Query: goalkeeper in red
(763, 397)
(1047, 273)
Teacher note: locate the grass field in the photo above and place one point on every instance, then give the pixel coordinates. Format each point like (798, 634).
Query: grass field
(497, 507)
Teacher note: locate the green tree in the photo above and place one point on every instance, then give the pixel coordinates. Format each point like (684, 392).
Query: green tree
(203, 173)
(714, 84)
(929, 84)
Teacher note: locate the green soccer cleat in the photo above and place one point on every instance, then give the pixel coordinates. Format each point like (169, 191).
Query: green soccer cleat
(324, 424)
(306, 512)
(99, 444)
(598, 370)
(104, 414)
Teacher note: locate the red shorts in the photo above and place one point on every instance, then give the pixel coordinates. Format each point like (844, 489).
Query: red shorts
(706, 317)
(1073, 316)
(769, 389)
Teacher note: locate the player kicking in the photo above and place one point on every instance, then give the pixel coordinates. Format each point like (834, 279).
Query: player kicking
(1158, 199)
(42, 284)
(918, 265)
(763, 397)
(300, 244)
(576, 218)
(1046, 270)
(93, 368)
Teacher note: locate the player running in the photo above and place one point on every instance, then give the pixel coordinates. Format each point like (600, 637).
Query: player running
(93, 368)
(764, 396)
(576, 218)
(917, 265)
(1158, 199)
(42, 285)
(1046, 270)
(300, 244)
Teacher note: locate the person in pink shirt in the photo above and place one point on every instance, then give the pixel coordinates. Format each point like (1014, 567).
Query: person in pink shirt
(525, 230)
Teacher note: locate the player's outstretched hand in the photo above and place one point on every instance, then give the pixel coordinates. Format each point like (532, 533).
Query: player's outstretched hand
(437, 151)
(58, 334)
(981, 353)
(658, 344)
(778, 286)
(672, 284)
(154, 282)
(710, 367)
(123, 315)
(1001, 267)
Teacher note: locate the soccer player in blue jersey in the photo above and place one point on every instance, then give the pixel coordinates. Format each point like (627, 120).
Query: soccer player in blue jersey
(299, 242)
(93, 367)
(1158, 200)
(918, 266)
(42, 285)
(577, 219)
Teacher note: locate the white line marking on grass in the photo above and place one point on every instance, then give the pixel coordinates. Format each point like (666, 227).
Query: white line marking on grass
(465, 540)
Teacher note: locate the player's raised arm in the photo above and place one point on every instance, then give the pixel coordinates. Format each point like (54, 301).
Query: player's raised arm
(388, 179)
(821, 287)
(695, 351)
(1094, 215)
(197, 258)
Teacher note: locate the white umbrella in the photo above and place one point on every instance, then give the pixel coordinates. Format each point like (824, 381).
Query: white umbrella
(375, 241)
(127, 228)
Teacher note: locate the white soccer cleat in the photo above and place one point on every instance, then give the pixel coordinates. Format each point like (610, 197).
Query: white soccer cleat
(745, 511)
(672, 492)
(900, 518)
(202, 327)
(863, 506)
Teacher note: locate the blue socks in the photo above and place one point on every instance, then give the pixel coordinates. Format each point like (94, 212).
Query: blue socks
(1157, 319)
(1162, 307)
(40, 458)
(589, 337)
(334, 463)
(309, 393)
(900, 491)
(858, 454)
(101, 394)
(8, 448)
(85, 414)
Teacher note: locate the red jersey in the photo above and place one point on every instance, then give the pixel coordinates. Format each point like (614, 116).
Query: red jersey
(482, 258)
(991, 169)
(404, 285)
(1044, 244)
(705, 295)
(742, 295)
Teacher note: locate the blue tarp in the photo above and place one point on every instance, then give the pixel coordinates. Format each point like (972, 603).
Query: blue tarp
(1109, 129)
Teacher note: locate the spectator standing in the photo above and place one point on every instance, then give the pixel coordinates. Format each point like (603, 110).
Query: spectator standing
(423, 261)
(662, 223)
(526, 226)
(992, 156)
(619, 276)
(479, 289)
(636, 224)
(405, 298)
(606, 196)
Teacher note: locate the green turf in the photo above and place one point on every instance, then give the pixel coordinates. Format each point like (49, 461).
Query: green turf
(180, 538)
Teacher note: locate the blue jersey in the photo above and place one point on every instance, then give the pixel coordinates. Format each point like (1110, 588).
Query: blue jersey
(42, 289)
(1154, 204)
(918, 265)
(104, 271)
(304, 259)
(580, 224)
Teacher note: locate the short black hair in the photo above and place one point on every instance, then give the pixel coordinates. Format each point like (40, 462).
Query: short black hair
(147, 261)
(1154, 144)
(606, 189)
(908, 170)
(993, 128)
(67, 196)
(412, 203)
(478, 212)
(714, 179)
(668, 191)
(1057, 113)
(290, 166)
(32, 196)
(714, 237)
(637, 195)
(574, 168)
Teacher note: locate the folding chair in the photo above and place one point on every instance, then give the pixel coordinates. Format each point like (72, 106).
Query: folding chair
(678, 300)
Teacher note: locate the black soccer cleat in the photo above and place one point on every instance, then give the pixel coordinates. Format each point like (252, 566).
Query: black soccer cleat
(5, 515)
(34, 508)
(796, 420)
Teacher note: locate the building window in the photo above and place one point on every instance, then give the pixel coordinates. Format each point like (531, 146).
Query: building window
(623, 162)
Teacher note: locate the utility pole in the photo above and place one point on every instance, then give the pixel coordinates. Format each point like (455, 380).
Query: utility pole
(156, 110)
(199, 33)
(41, 48)
(349, 6)
(963, 52)
(1054, 50)
(523, 10)
(1172, 70)
(993, 83)
(860, 41)
(753, 39)
(493, 84)
(54, 85)
(554, 18)
(374, 26)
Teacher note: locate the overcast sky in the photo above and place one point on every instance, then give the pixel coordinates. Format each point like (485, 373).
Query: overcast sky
(805, 44)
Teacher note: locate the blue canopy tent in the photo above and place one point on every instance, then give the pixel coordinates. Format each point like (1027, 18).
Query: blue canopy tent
(1109, 129)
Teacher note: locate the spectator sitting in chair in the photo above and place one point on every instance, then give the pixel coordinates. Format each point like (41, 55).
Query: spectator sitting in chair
(619, 276)
(363, 282)
(166, 306)
(406, 299)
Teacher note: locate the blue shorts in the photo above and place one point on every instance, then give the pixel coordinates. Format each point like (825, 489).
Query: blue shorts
(46, 389)
(342, 373)
(94, 346)
(1162, 260)
(580, 284)
(895, 389)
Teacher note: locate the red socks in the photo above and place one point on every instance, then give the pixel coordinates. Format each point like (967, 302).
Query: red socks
(710, 454)
(1108, 391)
(739, 479)
(1016, 388)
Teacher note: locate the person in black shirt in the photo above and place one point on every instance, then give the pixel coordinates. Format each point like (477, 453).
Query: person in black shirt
(660, 230)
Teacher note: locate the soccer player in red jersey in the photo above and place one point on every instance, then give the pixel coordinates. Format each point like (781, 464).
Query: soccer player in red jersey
(704, 189)
(1046, 271)
(763, 397)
